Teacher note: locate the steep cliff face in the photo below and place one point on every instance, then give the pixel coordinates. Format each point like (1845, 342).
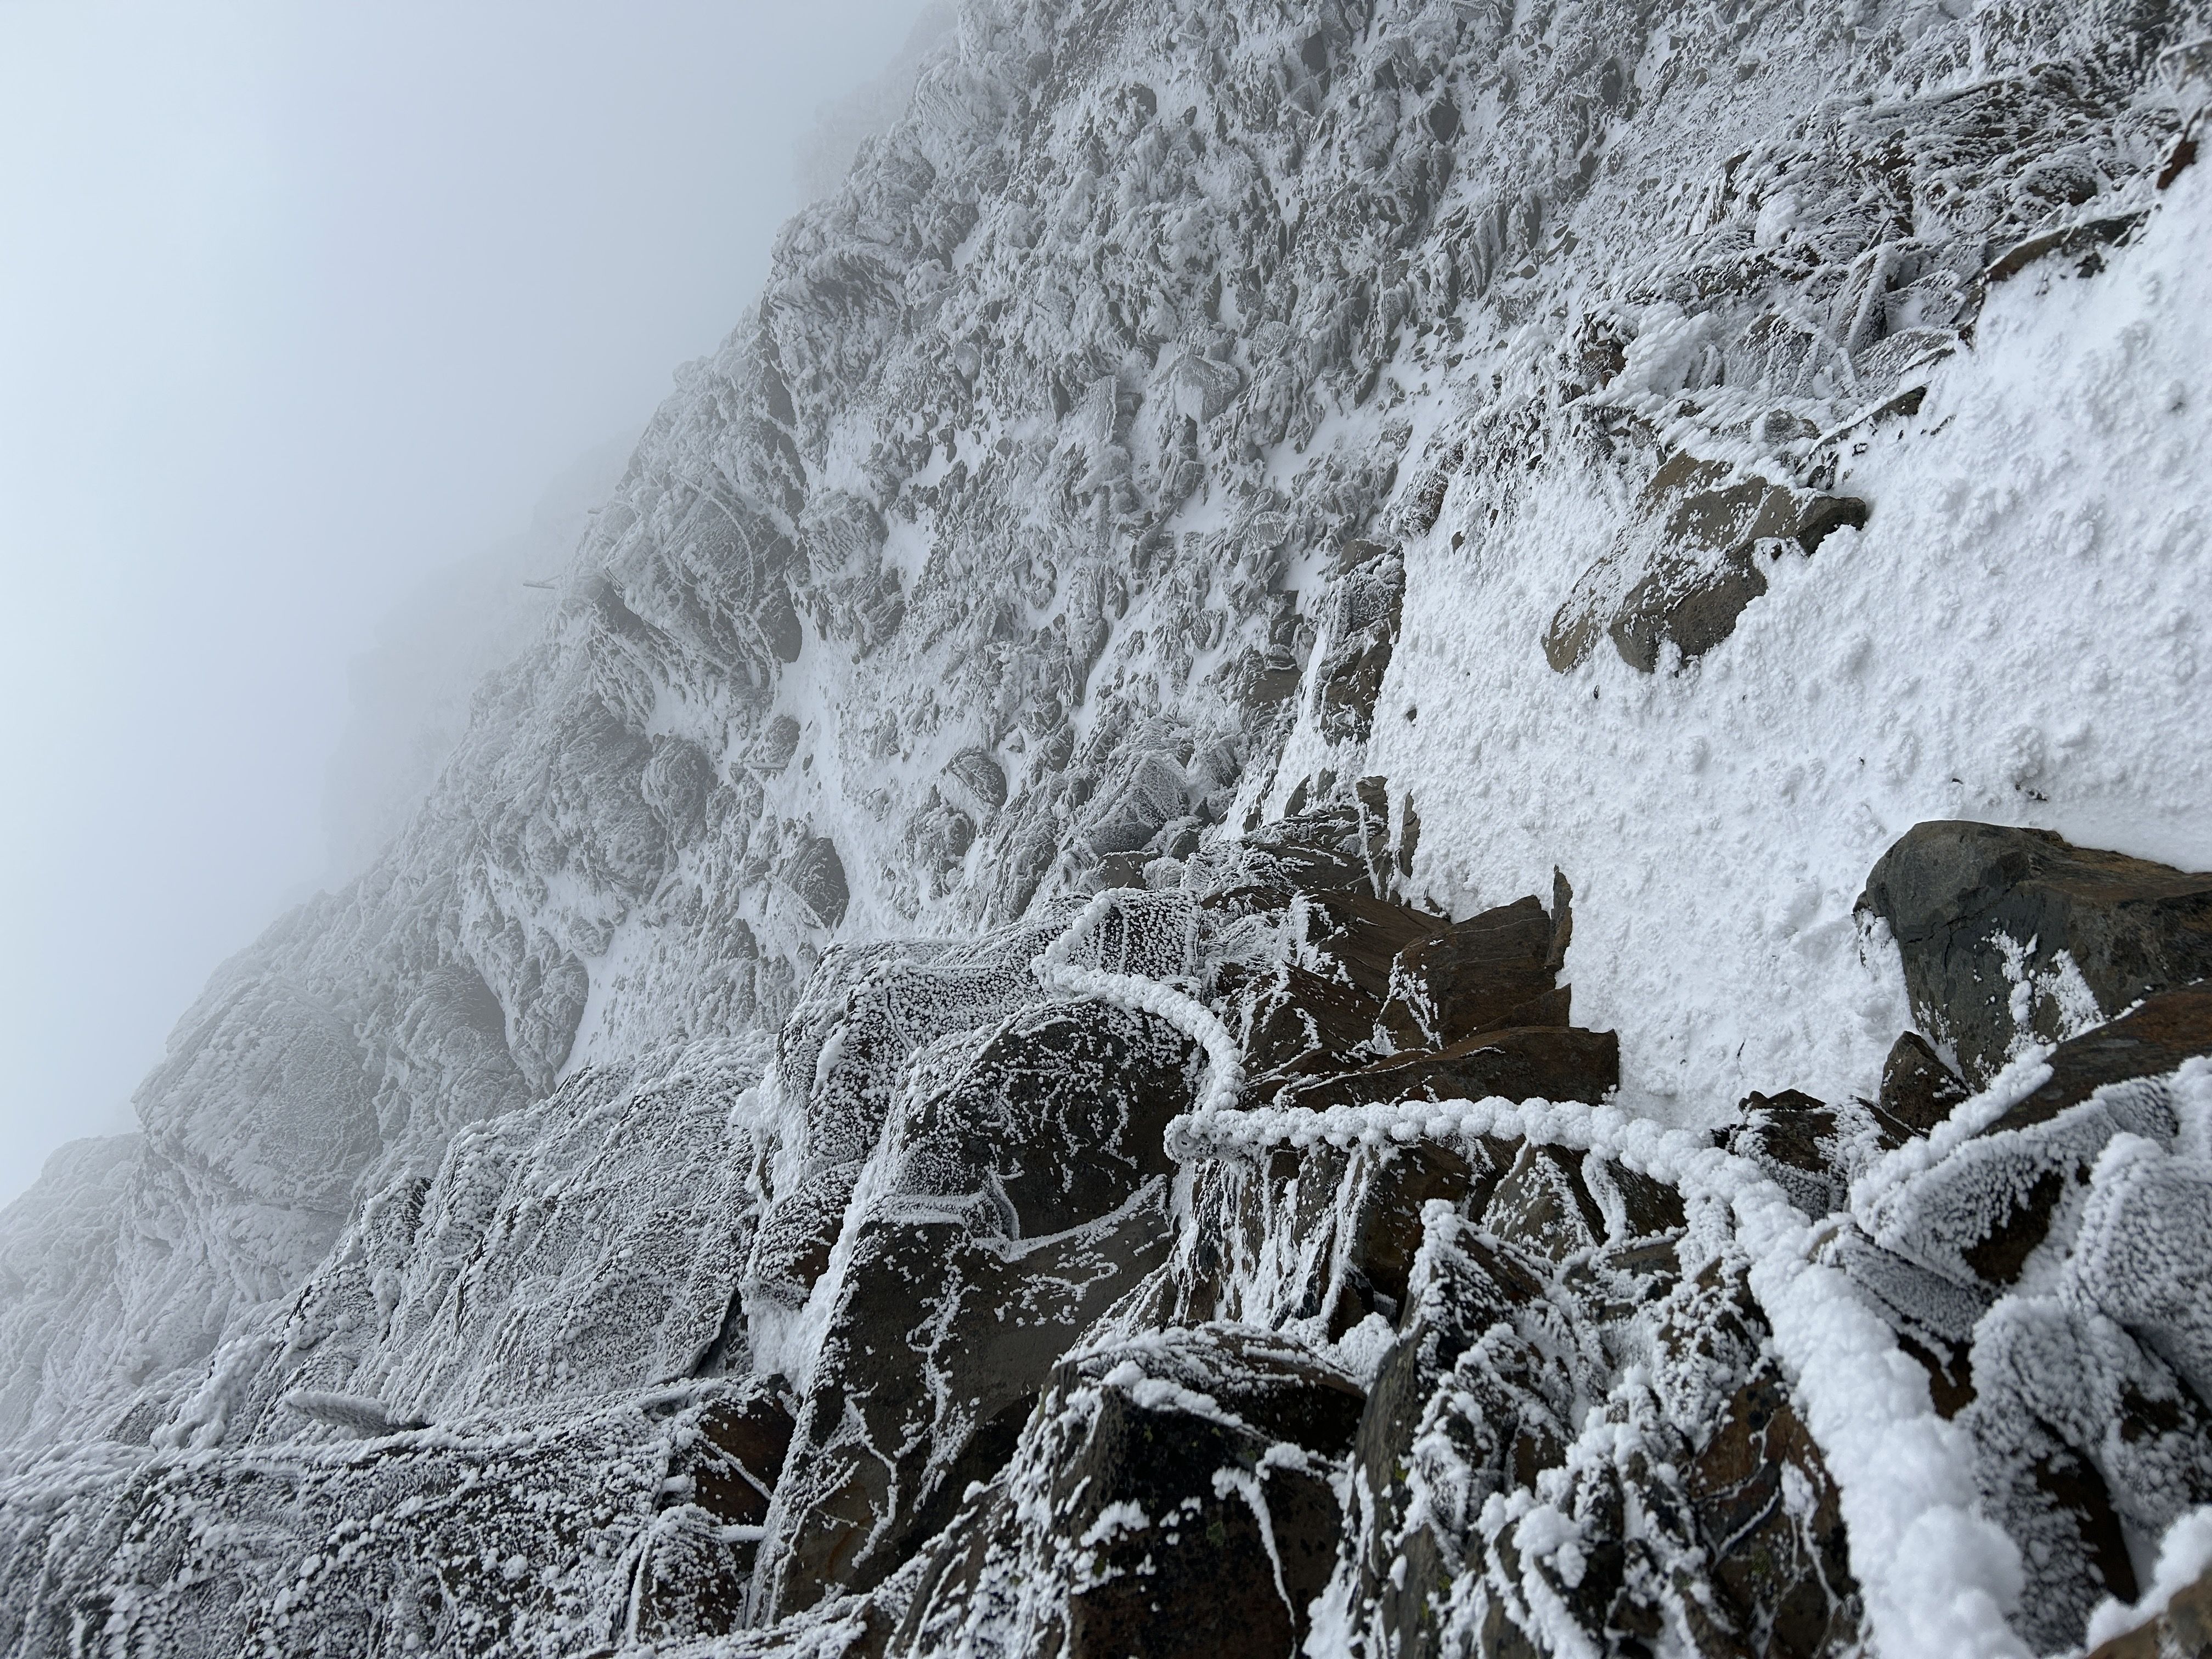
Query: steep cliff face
(1319, 472)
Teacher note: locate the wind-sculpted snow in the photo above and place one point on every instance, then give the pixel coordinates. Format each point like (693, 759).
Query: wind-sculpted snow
(1392, 507)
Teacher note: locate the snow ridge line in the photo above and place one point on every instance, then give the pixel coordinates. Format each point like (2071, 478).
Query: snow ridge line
(1938, 1576)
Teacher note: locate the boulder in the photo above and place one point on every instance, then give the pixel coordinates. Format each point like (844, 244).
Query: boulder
(1297, 1020)
(1058, 1118)
(1366, 603)
(1770, 1517)
(1995, 923)
(1691, 602)
(1048, 1129)
(791, 1250)
(1376, 1000)
(1690, 561)
(1493, 970)
(1809, 1148)
(975, 781)
(1980, 1215)
(817, 877)
(693, 1564)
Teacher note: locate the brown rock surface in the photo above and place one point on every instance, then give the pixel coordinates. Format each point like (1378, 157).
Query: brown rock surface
(1955, 894)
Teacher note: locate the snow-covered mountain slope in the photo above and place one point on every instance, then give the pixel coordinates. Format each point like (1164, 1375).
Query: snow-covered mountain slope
(1331, 470)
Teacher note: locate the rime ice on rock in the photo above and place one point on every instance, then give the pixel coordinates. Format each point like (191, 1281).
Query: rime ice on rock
(1041, 572)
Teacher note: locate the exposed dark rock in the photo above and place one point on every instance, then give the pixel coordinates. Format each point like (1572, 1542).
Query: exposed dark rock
(1809, 1148)
(1185, 1505)
(1546, 1062)
(1691, 604)
(1917, 1089)
(686, 1581)
(816, 876)
(1264, 678)
(1767, 1510)
(689, 1578)
(1708, 532)
(2032, 1162)
(1543, 1209)
(1387, 1002)
(1386, 1229)
(1491, 970)
(937, 1349)
(2084, 243)
(1058, 1119)
(1051, 1129)
(1297, 1020)
(734, 1460)
(1367, 600)
(791, 1249)
(1978, 910)
(2150, 1040)
(1710, 567)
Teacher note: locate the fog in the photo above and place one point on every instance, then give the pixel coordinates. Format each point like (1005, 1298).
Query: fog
(302, 309)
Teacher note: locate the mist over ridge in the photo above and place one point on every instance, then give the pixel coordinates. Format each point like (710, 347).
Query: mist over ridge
(295, 311)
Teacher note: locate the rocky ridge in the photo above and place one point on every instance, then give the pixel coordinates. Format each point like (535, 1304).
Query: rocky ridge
(1068, 519)
(1229, 1305)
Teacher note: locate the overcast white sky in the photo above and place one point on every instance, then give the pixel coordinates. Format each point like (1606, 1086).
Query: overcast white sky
(298, 303)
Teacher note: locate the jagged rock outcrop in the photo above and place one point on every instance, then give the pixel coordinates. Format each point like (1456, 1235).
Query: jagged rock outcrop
(1395, 1371)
